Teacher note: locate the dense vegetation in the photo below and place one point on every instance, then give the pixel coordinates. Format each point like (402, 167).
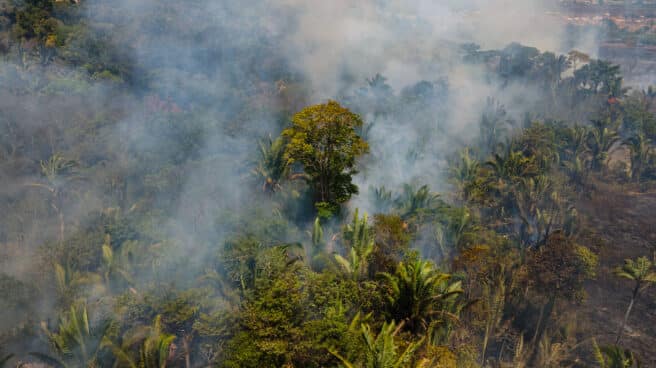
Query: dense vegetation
(151, 218)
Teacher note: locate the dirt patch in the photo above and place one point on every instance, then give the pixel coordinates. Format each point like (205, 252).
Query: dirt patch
(622, 220)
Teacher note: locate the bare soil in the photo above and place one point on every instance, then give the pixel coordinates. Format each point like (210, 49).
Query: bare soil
(622, 222)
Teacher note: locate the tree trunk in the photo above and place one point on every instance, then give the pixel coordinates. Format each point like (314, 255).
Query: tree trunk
(21, 55)
(485, 342)
(634, 295)
(545, 314)
(187, 353)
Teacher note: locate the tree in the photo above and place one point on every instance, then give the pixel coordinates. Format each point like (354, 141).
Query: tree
(494, 125)
(637, 114)
(69, 282)
(641, 273)
(493, 301)
(116, 266)
(34, 21)
(271, 166)
(464, 174)
(359, 238)
(601, 142)
(316, 255)
(392, 240)
(323, 139)
(75, 342)
(155, 346)
(414, 203)
(576, 56)
(557, 270)
(58, 173)
(417, 291)
(640, 149)
(381, 351)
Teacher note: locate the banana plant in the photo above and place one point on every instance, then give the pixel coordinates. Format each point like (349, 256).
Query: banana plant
(381, 350)
(359, 239)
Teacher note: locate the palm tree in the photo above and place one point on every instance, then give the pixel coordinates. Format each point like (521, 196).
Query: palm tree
(494, 125)
(381, 351)
(58, 174)
(576, 141)
(155, 347)
(464, 174)
(418, 293)
(316, 255)
(271, 167)
(416, 202)
(382, 198)
(601, 142)
(540, 207)
(640, 152)
(642, 274)
(69, 282)
(553, 69)
(75, 343)
(575, 57)
(116, 265)
(456, 223)
(505, 171)
(493, 300)
(577, 169)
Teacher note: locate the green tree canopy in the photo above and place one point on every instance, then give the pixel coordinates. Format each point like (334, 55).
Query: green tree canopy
(323, 139)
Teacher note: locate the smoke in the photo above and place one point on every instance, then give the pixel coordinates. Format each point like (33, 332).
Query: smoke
(205, 83)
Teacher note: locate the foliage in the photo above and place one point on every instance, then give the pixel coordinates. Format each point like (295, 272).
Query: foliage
(641, 272)
(418, 294)
(154, 347)
(127, 188)
(360, 242)
(613, 356)
(272, 167)
(322, 138)
(381, 349)
(76, 342)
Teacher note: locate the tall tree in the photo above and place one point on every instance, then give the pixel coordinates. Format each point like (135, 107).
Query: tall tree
(323, 139)
(58, 175)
